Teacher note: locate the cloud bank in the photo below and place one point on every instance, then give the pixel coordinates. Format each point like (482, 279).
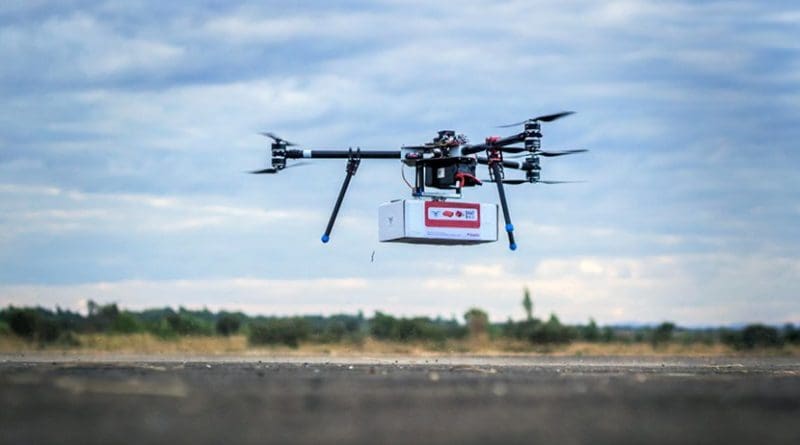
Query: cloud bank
(126, 129)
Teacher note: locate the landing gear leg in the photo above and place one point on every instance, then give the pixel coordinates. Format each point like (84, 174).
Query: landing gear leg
(352, 167)
(498, 178)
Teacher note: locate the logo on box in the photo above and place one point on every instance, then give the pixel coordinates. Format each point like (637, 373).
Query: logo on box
(452, 214)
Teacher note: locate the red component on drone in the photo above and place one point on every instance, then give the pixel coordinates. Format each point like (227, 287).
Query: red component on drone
(467, 179)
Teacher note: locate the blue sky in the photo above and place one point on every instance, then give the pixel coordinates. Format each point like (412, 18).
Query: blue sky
(126, 128)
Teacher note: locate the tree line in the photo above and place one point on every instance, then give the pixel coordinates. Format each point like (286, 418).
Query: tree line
(43, 326)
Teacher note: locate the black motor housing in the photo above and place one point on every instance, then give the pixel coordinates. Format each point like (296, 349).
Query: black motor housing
(444, 173)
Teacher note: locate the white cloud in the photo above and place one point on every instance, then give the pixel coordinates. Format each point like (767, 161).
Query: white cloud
(685, 288)
(81, 46)
(57, 210)
(610, 289)
(244, 27)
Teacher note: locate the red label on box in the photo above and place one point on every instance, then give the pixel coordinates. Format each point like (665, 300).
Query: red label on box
(452, 214)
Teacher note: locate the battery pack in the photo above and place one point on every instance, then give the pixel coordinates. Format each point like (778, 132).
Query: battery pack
(418, 221)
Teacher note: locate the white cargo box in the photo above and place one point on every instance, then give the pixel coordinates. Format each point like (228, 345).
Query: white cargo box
(437, 222)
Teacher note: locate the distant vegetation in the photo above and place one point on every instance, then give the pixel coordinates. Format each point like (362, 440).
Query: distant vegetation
(43, 326)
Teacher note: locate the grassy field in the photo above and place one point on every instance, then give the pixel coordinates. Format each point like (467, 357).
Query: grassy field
(237, 344)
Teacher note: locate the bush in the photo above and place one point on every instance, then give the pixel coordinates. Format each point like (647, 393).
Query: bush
(535, 331)
(418, 328)
(590, 332)
(477, 322)
(184, 324)
(287, 331)
(22, 322)
(102, 318)
(4, 329)
(47, 330)
(69, 339)
(758, 335)
(791, 334)
(608, 334)
(228, 324)
(382, 326)
(333, 332)
(753, 336)
(552, 332)
(386, 327)
(126, 323)
(35, 324)
(662, 333)
(521, 331)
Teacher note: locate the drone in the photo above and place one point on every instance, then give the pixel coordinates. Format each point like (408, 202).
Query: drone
(443, 168)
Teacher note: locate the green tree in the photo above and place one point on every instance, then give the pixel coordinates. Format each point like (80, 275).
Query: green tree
(663, 333)
(554, 332)
(590, 332)
(477, 322)
(760, 336)
(126, 323)
(34, 324)
(527, 303)
(607, 334)
(228, 324)
(791, 334)
(183, 323)
(102, 318)
(382, 326)
(22, 321)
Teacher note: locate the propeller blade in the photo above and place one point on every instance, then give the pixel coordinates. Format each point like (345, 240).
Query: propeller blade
(545, 118)
(525, 181)
(271, 171)
(277, 138)
(296, 164)
(552, 117)
(508, 164)
(512, 125)
(546, 154)
(509, 181)
(551, 154)
(511, 149)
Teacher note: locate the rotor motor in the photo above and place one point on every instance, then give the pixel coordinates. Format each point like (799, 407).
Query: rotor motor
(278, 156)
(533, 144)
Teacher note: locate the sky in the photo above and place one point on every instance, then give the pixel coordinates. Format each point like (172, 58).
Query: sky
(126, 128)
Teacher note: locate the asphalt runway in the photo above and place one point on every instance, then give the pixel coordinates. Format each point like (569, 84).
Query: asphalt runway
(558, 400)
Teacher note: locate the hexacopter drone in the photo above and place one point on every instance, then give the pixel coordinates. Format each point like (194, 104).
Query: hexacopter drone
(443, 168)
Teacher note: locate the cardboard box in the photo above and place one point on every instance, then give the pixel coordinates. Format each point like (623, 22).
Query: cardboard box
(419, 221)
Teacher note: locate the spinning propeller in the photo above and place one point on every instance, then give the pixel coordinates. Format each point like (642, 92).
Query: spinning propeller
(273, 170)
(277, 139)
(546, 154)
(525, 181)
(545, 118)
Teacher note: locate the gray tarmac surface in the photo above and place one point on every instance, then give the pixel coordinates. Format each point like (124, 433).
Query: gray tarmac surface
(142, 399)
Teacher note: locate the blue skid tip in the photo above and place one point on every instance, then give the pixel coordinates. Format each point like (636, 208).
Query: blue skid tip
(512, 246)
(325, 238)
(510, 228)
